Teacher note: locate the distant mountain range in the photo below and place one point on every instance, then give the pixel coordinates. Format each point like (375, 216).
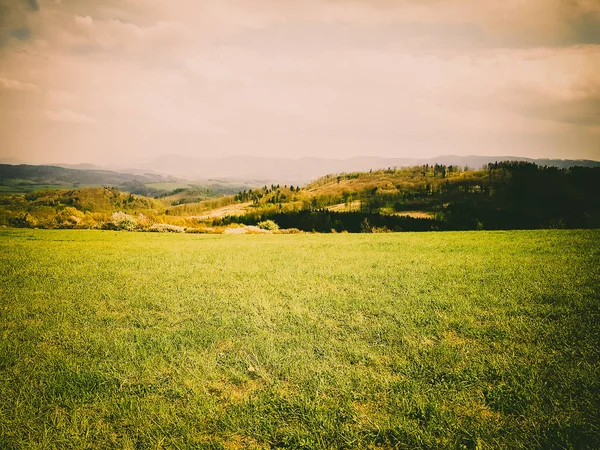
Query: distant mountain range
(23, 177)
(249, 169)
(303, 170)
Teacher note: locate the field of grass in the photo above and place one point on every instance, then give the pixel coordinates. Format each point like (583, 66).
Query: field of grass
(431, 340)
(32, 187)
(169, 186)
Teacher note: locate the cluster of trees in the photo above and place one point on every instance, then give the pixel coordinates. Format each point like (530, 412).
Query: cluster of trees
(139, 188)
(273, 195)
(501, 196)
(195, 193)
(523, 195)
(86, 199)
(325, 221)
(75, 208)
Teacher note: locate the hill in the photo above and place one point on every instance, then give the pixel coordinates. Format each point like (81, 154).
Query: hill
(26, 178)
(76, 208)
(503, 196)
(30, 178)
(267, 170)
(508, 195)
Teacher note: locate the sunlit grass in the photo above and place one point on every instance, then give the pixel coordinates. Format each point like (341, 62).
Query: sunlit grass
(431, 340)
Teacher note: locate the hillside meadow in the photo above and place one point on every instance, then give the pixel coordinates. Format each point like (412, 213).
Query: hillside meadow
(413, 340)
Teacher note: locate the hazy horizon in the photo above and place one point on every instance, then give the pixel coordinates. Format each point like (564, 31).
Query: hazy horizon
(115, 82)
(151, 163)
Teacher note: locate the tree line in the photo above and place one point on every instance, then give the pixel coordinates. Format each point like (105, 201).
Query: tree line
(502, 195)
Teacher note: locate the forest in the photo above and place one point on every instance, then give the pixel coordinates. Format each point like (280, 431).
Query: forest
(506, 195)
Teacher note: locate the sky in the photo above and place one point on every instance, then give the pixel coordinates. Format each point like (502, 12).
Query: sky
(119, 81)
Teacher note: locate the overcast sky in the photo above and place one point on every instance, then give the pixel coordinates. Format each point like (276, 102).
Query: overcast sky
(119, 80)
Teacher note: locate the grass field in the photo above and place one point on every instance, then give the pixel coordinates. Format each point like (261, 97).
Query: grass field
(432, 340)
(31, 187)
(169, 186)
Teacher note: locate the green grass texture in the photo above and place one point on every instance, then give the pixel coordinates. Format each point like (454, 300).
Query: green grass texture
(454, 340)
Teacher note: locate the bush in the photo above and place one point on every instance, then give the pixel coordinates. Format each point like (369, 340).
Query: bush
(70, 217)
(196, 230)
(143, 221)
(268, 225)
(290, 231)
(166, 228)
(24, 221)
(123, 221)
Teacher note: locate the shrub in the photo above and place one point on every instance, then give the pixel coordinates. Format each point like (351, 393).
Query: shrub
(70, 217)
(143, 221)
(290, 231)
(96, 221)
(24, 221)
(195, 230)
(89, 222)
(166, 228)
(268, 225)
(380, 230)
(123, 221)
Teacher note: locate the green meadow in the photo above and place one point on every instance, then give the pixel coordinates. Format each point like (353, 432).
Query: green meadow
(454, 340)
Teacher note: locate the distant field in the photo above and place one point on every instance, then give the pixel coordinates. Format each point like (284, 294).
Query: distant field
(169, 186)
(413, 340)
(24, 188)
(202, 184)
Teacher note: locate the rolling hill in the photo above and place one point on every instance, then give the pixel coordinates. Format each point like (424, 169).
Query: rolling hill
(505, 195)
(26, 178)
(295, 171)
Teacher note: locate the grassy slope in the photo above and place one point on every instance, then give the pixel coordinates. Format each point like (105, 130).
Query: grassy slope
(328, 190)
(27, 178)
(392, 181)
(26, 188)
(437, 340)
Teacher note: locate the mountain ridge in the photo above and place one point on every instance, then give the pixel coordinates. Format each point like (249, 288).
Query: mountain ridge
(305, 169)
(296, 171)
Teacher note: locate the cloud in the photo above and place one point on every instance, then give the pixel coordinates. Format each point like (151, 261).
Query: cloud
(33, 4)
(22, 34)
(60, 98)
(85, 21)
(15, 85)
(68, 116)
(118, 38)
(582, 19)
(330, 77)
